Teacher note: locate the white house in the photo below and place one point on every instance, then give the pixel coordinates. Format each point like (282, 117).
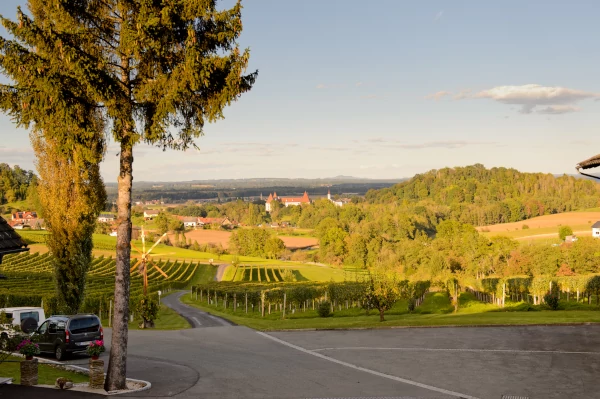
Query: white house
(189, 221)
(338, 202)
(106, 218)
(596, 230)
(150, 214)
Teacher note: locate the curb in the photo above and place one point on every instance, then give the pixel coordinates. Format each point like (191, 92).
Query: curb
(439, 326)
(84, 370)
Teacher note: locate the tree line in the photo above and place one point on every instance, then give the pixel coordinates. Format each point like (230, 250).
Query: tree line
(16, 184)
(480, 196)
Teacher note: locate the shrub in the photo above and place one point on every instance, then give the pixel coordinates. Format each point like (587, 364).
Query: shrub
(411, 304)
(525, 227)
(552, 298)
(324, 309)
(147, 308)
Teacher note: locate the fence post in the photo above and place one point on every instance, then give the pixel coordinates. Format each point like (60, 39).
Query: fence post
(110, 314)
(262, 303)
(284, 299)
(503, 294)
(234, 301)
(246, 302)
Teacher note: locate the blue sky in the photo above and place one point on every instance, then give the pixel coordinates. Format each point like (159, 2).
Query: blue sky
(387, 89)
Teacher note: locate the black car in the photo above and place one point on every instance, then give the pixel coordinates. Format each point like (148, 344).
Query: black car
(63, 335)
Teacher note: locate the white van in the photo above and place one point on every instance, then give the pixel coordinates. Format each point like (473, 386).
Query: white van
(27, 318)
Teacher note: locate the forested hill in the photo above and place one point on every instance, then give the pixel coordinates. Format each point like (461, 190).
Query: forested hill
(480, 196)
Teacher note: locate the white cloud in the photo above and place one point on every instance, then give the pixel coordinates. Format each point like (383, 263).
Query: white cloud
(358, 84)
(438, 16)
(465, 93)
(437, 96)
(532, 95)
(558, 109)
(321, 86)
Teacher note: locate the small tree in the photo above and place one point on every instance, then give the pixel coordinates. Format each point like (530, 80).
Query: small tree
(564, 231)
(381, 293)
(147, 308)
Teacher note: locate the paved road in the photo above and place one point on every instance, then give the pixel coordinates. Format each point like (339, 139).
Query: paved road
(237, 362)
(195, 317)
(220, 272)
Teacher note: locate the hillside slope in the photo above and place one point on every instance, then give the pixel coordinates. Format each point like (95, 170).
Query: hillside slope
(480, 196)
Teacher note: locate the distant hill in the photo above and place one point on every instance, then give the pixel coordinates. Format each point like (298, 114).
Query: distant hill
(226, 189)
(480, 196)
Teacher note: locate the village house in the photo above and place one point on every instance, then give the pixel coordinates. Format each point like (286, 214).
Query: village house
(150, 214)
(189, 221)
(106, 218)
(286, 201)
(24, 217)
(338, 202)
(596, 230)
(223, 222)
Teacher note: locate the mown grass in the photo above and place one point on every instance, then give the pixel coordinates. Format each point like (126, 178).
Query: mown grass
(436, 310)
(47, 375)
(168, 319)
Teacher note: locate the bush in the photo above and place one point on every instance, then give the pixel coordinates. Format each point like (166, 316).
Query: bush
(525, 227)
(552, 298)
(411, 304)
(324, 309)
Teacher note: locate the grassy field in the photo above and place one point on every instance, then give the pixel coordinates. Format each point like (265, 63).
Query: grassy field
(47, 375)
(104, 243)
(168, 319)
(435, 311)
(545, 226)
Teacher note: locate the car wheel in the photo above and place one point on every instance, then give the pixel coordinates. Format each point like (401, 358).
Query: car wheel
(60, 353)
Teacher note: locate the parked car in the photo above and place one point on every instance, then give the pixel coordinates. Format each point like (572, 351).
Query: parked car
(27, 318)
(64, 335)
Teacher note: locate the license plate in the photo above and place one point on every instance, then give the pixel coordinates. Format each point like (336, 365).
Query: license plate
(86, 343)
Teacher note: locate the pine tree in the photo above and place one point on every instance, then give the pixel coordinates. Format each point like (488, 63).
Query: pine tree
(157, 71)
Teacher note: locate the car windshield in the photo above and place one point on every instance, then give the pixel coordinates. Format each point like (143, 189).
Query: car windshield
(83, 325)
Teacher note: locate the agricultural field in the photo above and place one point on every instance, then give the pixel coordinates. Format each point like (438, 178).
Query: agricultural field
(30, 280)
(435, 310)
(105, 245)
(295, 272)
(222, 237)
(545, 226)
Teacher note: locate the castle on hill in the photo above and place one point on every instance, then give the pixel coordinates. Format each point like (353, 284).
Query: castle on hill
(305, 199)
(286, 201)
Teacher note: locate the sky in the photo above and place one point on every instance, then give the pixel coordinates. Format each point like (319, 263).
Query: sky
(388, 89)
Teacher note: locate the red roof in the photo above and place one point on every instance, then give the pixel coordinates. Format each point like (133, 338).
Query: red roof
(304, 199)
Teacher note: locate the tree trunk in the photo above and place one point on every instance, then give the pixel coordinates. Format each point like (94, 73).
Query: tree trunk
(381, 318)
(117, 363)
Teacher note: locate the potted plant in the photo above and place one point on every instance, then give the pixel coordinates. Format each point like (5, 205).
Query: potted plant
(28, 348)
(95, 348)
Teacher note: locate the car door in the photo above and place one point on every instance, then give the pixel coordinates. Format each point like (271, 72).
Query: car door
(52, 335)
(41, 337)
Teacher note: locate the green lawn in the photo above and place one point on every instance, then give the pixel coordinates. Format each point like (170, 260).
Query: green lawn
(435, 311)
(168, 319)
(47, 375)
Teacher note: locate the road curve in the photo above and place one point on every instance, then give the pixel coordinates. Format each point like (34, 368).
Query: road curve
(196, 317)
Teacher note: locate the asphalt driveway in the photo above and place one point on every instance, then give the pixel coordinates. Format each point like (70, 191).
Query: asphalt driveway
(218, 360)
